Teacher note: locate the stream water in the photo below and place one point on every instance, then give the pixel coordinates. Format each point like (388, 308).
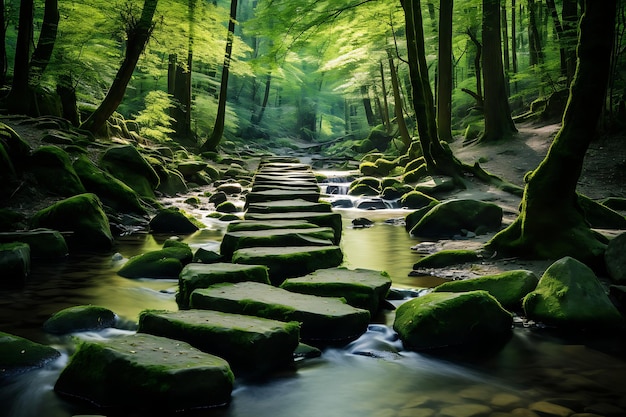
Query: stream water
(373, 376)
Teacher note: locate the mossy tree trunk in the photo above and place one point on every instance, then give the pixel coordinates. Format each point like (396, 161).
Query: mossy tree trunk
(551, 224)
(398, 106)
(138, 32)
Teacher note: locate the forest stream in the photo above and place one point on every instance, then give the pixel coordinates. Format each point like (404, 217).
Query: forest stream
(535, 374)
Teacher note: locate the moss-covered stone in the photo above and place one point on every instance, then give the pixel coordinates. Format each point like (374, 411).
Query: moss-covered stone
(111, 191)
(232, 241)
(446, 258)
(171, 182)
(43, 243)
(230, 188)
(601, 216)
(14, 264)
(164, 263)
(322, 318)
(226, 207)
(194, 276)
(414, 164)
(416, 200)
(509, 288)
(190, 167)
(373, 182)
(286, 206)
(292, 261)
(206, 256)
(277, 195)
(13, 150)
(268, 225)
(415, 175)
(361, 288)
(18, 354)
(218, 198)
(11, 220)
(174, 220)
(614, 258)
(413, 218)
(440, 320)
(434, 185)
(363, 190)
(126, 164)
(570, 296)
(247, 343)
(53, 169)
(452, 217)
(82, 215)
(80, 318)
(332, 220)
(146, 373)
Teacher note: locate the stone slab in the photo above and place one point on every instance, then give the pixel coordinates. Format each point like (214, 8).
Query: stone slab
(321, 219)
(288, 206)
(323, 318)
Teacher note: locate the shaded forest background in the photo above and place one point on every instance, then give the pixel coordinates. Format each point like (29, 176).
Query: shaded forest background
(331, 72)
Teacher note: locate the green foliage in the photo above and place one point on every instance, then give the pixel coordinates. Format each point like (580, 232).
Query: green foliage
(154, 120)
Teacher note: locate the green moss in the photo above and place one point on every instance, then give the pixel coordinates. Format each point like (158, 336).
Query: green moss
(414, 164)
(413, 218)
(446, 258)
(80, 318)
(126, 164)
(18, 354)
(165, 263)
(416, 200)
(415, 175)
(53, 169)
(174, 220)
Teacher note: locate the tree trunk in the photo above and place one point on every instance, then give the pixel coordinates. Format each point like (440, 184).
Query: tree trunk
(45, 45)
(551, 223)
(21, 97)
(478, 95)
(218, 129)
(513, 38)
(385, 111)
(266, 95)
(534, 40)
(67, 94)
(444, 73)
(367, 104)
(498, 121)
(397, 99)
(569, 16)
(505, 39)
(137, 34)
(559, 34)
(4, 65)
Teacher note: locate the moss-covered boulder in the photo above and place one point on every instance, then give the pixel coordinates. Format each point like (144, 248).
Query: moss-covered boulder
(614, 258)
(18, 355)
(446, 258)
(14, 264)
(194, 276)
(218, 198)
(14, 151)
(146, 373)
(363, 190)
(83, 216)
(570, 296)
(441, 320)
(230, 188)
(226, 207)
(53, 170)
(367, 180)
(129, 166)
(452, 217)
(164, 263)
(323, 318)
(174, 220)
(79, 319)
(414, 164)
(361, 288)
(413, 218)
(434, 185)
(248, 343)
(287, 206)
(233, 241)
(171, 182)
(509, 288)
(416, 200)
(332, 220)
(111, 191)
(415, 175)
(190, 167)
(43, 243)
(601, 216)
(207, 256)
(290, 261)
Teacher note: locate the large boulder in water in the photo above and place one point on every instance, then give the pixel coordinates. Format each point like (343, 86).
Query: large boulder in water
(53, 169)
(452, 217)
(173, 220)
(570, 296)
(44, 243)
(615, 259)
(84, 217)
(509, 288)
(80, 318)
(166, 263)
(126, 164)
(146, 373)
(441, 320)
(18, 354)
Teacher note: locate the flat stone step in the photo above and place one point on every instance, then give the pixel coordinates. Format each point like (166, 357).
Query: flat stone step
(362, 288)
(197, 275)
(278, 195)
(289, 206)
(145, 372)
(246, 342)
(239, 226)
(323, 318)
(290, 186)
(332, 220)
(290, 261)
(232, 241)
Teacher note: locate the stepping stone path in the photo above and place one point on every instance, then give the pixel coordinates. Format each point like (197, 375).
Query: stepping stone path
(234, 310)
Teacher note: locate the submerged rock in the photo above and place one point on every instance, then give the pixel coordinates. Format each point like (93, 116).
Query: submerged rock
(18, 354)
(570, 296)
(246, 342)
(440, 320)
(323, 318)
(145, 372)
(80, 318)
(44, 243)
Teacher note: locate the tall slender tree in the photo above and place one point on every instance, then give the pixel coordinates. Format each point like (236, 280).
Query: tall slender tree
(551, 223)
(21, 97)
(444, 71)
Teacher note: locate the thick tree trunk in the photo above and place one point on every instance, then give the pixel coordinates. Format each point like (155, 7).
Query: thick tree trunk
(498, 121)
(551, 224)
(569, 16)
(444, 71)
(137, 38)
(218, 129)
(505, 38)
(21, 98)
(534, 40)
(4, 65)
(45, 45)
(67, 94)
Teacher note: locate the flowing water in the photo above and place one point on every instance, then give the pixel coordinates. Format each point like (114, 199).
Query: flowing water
(372, 376)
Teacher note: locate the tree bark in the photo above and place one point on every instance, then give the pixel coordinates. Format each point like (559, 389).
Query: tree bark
(534, 40)
(367, 105)
(398, 106)
(551, 223)
(478, 95)
(385, 110)
(444, 71)
(569, 17)
(266, 95)
(45, 45)
(218, 129)
(4, 65)
(21, 97)
(498, 121)
(137, 34)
